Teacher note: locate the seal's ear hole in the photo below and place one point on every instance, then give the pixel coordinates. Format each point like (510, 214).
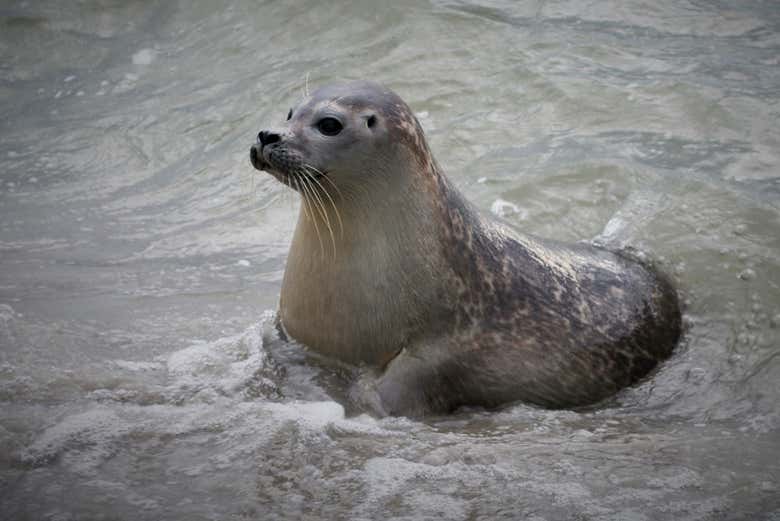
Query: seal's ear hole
(371, 121)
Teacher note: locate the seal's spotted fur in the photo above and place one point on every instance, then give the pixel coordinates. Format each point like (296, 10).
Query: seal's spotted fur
(449, 308)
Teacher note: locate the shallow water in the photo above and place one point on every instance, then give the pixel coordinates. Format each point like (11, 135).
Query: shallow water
(141, 256)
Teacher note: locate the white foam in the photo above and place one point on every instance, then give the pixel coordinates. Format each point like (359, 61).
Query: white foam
(314, 415)
(130, 365)
(387, 478)
(206, 387)
(144, 57)
(223, 367)
(94, 428)
(503, 208)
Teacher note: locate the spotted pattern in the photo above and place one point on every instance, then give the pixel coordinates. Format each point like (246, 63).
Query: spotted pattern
(519, 318)
(536, 321)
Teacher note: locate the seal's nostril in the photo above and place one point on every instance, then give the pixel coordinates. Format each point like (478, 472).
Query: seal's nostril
(266, 138)
(253, 155)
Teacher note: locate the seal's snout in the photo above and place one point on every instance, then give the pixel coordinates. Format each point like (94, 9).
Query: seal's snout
(255, 157)
(265, 138)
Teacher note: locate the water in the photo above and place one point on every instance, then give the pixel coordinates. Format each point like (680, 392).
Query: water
(141, 256)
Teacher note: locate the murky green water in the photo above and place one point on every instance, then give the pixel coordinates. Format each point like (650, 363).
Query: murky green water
(141, 255)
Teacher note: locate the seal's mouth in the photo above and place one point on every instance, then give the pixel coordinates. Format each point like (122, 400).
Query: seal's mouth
(261, 163)
(256, 157)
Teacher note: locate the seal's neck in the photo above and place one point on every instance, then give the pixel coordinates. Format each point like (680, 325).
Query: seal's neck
(359, 293)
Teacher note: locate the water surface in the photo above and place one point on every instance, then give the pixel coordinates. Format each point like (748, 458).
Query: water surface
(141, 256)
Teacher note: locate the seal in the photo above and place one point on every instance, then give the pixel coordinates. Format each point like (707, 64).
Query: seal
(392, 270)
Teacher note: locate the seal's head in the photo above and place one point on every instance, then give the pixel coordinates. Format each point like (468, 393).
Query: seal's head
(346, 132)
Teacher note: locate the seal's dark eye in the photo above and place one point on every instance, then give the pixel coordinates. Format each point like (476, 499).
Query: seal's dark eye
(289, 115)
(329, 126)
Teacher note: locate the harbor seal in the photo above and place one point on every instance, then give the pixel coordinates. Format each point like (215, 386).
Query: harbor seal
(391, 269)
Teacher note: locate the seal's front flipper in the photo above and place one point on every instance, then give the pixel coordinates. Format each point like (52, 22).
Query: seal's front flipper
(414, 385)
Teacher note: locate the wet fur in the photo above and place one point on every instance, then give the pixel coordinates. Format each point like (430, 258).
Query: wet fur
(450, 309)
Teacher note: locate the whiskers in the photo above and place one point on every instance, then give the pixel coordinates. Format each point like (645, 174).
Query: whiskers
(318, 201)
(305, 87)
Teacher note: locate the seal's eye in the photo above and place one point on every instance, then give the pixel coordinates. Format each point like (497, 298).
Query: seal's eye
(289, 115)
(329, 126)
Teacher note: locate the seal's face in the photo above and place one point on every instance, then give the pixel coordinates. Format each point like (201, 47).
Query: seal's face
(341, 132)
